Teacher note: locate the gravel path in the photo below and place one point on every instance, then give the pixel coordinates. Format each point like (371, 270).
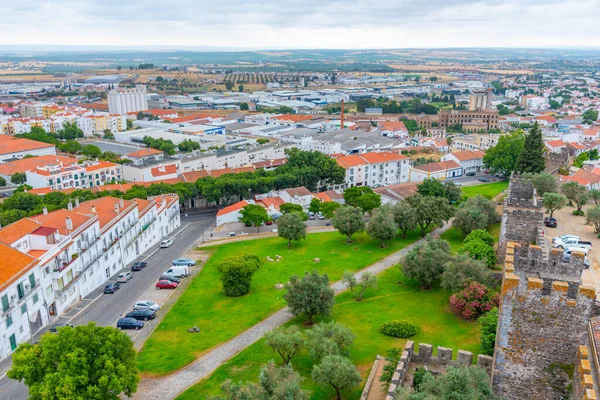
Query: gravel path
(170, 386)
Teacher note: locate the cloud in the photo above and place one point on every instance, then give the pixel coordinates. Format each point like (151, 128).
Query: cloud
(302, 23)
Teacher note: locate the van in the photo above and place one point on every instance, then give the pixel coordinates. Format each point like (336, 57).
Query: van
(180, 271)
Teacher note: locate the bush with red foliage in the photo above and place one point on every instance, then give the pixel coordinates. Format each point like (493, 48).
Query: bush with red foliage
(473, 301)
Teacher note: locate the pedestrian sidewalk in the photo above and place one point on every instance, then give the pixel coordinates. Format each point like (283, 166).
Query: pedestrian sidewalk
(170, 386)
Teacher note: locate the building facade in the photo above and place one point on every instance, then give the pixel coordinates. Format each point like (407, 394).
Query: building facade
(471, 121)
(123, 101)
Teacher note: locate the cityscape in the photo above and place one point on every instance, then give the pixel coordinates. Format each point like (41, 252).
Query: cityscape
(276, 211)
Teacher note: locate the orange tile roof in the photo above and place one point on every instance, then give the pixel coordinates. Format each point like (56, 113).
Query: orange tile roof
(193, 176)
(582, 177)
(166, 170)
(384, 156)
(215, 173)
(40, 191)
(272, 201)
(546, 118)
(148, 151)
(13, 265)
(171, 198)
(143, 206)
(299, 191)
(58, 219)
(556, 143)
(105, 208)
(437, 166)
(17, 230)
(322, 196)
(350, 161)
(393, 126)
(234, 207)
(19, 145)
(121, 187)
(466, 155)
(292, 117)
(577, 146)
(28, 164)
(101, 165)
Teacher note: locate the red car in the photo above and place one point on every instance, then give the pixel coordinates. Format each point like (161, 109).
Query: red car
(166, 285)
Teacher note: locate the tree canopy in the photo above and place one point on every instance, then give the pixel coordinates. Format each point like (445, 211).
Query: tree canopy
(291, 227)
(532, 157)
(503, 157)
(425, 262)
(348, 220)
(309, 295)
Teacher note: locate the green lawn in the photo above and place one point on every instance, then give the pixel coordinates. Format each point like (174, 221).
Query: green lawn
(396, 298)
(489, 190)
(455, 237)
(220, 318)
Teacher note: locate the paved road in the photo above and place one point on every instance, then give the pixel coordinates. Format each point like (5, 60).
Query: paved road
(169, 387)
(107, 309)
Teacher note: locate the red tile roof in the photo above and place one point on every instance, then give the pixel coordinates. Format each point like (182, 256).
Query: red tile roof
(13, 265)
(19, 145)
(193, 176)
(17, 230)
(437, 166)
(147, 152)
(28, 164)
(393, 126)
(272, 201)
(233, 208)
(163, 170)
(556, 143)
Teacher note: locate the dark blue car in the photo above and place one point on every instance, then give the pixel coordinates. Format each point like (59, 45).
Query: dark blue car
(142, 315)
(129, 323)
(111, 287)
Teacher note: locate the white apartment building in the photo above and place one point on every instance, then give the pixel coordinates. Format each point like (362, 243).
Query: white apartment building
(16, 148)
(52, 260)
(31, 110)
(374, 169)
(73, 175)
(123, 101)
(469, 161)
(438, 170)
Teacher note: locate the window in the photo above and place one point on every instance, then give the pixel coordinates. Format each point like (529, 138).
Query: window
(13, 342)
(57, 180)
(9, 320)
(24, 309)
(20, 290)
(35, 298)
(51, 181)
(32, 280)
(5, 304)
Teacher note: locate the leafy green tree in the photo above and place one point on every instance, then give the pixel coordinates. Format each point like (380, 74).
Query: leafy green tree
(369, 202)
(244, 106)
(236, 274)
(461, 269)
(328, 338)
(40, 135)
(70, 146)
(108, 135)
(452, 192)
(349, 280)
(590, 115)
(188, 145)
(84, 362)
(254, 215)
(70, 131)
(22, 201)
(405, 217)
(425, 262)
(285, 341)
(9, 216)
(352, 195)
(475, 213)
(367, 280)
(487, 336)
(465, 383)
(382, 225)
(592, 217)
(543, 182)
(554, 202)
(430, 211)
(290, 207)
(479, 250)
(502, 158)
(92, 151)
(56, 199)
(338, 372)
(328, 208)
(275, 383)
(228, 85)
(291, 227)
(595, 196)
(532, 157)
(577, 194)
(309, 295)
(315, 205)
(480, 234)
(431, 187)
(348, 220)
(2, 182)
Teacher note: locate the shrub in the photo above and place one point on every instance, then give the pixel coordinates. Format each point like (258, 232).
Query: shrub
(399, 329)
(473, 301)
(479, 250)
(578, 212)
(236, 274)
(480, 234)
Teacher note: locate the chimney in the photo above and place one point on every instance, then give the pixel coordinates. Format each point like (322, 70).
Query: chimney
(116, 207)
(77, 202)
(45, 211)
(70, 206)
(121, 203)
(94, 209)
(69, 224)
(342, 122)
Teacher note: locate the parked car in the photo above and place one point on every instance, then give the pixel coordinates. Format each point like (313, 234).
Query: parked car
(169, 278)
(550, 222)
(269, 222)
(563, 244)
(142, 315)
(311, 215)
(184, 261)
(180, 271)
(484, 179)
(320, 216)
(231, 234)
(139, 265)
(141, 304)
(165, 285)
(470, 174)
(129, 323)
(54, 328)
(274, 230)
(111, 287)
(559, 239)
(124, 276)
(166, 243)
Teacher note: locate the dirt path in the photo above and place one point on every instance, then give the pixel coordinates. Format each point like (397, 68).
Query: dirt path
(170, 386)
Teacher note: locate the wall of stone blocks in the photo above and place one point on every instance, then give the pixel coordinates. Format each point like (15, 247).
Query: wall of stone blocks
(536, 330)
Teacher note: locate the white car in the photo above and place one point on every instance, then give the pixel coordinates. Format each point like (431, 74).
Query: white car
(124, 276)
(145, 304)
(166, 243)
(558, 239)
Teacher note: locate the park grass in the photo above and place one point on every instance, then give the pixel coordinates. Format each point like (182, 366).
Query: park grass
(221, 318)
(395, 298)
(489, 190)
(455, 237)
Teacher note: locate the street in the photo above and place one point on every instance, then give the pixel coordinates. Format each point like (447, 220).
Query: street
(106, 309)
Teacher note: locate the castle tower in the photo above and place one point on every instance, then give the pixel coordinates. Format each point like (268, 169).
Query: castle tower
(544, 309)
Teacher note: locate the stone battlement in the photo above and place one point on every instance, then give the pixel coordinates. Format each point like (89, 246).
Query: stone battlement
(521, 193)
(547, 289)
(425, 356)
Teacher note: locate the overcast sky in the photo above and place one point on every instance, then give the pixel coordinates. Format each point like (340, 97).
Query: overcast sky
(303, 23)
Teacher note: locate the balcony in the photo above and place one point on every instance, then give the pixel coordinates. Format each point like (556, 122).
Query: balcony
(87, 244)
(91, 262)
(65, 264)
(111, 245)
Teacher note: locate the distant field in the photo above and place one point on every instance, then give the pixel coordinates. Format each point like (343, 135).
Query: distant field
(26, 75)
